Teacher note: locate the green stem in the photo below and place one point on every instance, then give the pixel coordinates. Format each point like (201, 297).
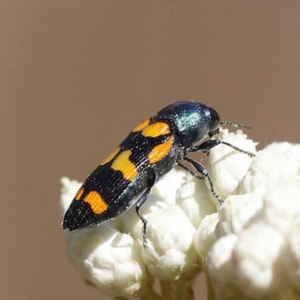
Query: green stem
(150, 294)
(178, 290)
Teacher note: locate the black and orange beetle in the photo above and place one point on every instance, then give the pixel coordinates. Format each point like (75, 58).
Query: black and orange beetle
(151, 150)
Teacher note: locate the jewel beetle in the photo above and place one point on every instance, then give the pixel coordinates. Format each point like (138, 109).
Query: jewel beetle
(155, 146)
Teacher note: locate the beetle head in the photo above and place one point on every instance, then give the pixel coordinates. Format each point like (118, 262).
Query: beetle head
(191, 121)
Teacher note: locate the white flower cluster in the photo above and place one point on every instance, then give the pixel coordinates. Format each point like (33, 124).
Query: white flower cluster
(249, 247)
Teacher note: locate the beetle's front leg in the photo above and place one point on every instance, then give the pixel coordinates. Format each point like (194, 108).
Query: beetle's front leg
(190, 171)
(208, 145)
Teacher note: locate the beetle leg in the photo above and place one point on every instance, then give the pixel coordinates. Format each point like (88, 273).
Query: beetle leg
(200, 168)
(139, 204)
(208, 145)
(141, 201)
(190, 171)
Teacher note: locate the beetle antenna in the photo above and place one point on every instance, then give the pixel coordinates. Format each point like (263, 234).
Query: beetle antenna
(234, 124)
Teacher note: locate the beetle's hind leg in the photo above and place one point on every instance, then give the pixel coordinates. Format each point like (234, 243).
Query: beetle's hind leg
(142, 200)
(139, 204)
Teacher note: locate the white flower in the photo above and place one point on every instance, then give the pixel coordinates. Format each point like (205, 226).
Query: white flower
(205, 235)
(261, 220)
(227, 167)
(112, 256)
(108, 259)
(170, 253)
(220, 270)
(257, 261)
(292, 257)
(249, 248)
(192, 198)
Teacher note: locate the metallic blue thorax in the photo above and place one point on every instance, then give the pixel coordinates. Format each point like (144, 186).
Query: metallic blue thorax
(192, 121)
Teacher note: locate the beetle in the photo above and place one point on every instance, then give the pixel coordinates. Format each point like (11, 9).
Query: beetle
(127, 175)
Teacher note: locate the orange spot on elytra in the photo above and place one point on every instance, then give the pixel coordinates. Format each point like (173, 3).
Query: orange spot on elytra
(123, 164)
(141, 126)
(79, 194)
(156, 129)
(111, 156)
(98, 205)
(160, 151)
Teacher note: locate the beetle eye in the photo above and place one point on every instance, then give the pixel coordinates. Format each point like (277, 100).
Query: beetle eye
(214, 122)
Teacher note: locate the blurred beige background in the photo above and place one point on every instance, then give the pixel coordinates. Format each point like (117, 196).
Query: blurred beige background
(76, 76)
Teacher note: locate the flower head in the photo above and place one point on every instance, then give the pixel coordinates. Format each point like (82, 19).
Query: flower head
(248, 247)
